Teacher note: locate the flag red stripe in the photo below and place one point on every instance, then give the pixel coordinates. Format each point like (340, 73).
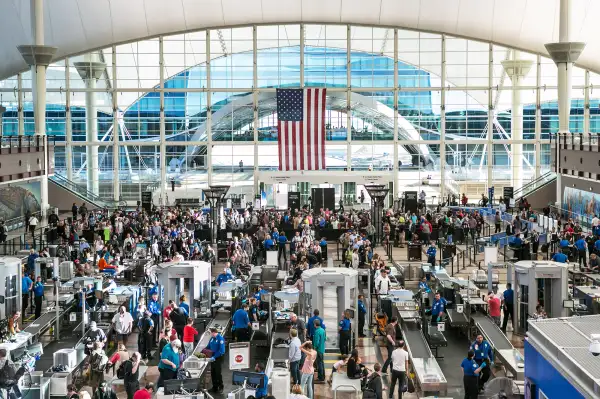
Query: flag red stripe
(323, 128)
(279, 133)
(295, 165)
(290, 132)
(316, 119)
(308, 119)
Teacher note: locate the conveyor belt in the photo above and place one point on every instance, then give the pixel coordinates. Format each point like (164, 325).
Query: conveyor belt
(41, 323)
(436, 338)
(492, 332)
(457, 319)
(279, 353)
(416, 343)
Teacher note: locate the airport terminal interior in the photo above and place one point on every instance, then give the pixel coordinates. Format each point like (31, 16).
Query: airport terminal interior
(299, 199)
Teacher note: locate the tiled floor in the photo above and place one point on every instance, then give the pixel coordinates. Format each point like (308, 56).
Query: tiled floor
(369, 351)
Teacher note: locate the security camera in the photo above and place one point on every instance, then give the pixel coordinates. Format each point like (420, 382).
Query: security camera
(595, 345)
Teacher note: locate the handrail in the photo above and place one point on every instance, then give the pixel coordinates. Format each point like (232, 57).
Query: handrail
(534, 184)
(83, 192)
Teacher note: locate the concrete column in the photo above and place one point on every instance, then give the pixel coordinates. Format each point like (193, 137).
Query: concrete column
(564, 54)
(208, 121)
(115, 107)
(517, 69)
(2, 111)
(20, 111)
(255, 108)
(443, 125)
(395, 194)
(90, 71)
(538, 118)
(38, 57)
(68, 125)
(490, 120)
(162, 127)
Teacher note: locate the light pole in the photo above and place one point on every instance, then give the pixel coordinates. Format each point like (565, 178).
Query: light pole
(377, 192)
(214, 195)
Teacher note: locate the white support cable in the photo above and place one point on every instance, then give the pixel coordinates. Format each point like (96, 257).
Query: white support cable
(384, 41)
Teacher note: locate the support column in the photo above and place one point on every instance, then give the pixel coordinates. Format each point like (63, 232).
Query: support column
(2, 111)
(538, 119)
(348, 97)
(564, 54)
(20, 110)
(255, 106)
(68, 124)
(163, 147)
(90, 71)
(38, 57)
(116, 152)
(491, 120)
(208, 161)
(517, 69)
(586, 105)
(396, 169)
(443, 126)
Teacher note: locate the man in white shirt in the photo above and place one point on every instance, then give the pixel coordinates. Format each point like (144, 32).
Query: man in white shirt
(122, 323)
(32, 225)
(595, 221)
(382, 283)
(399, 367)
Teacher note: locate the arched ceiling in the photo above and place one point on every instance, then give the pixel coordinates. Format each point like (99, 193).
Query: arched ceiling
(76, 26)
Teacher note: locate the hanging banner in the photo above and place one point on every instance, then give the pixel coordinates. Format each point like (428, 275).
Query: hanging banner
(239, 355)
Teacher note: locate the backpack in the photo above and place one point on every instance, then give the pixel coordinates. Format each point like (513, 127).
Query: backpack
(121, 370)
(369, 391)
(98, 361)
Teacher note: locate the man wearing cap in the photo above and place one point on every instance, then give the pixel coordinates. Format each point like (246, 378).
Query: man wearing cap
(96, 334)
(217, 346)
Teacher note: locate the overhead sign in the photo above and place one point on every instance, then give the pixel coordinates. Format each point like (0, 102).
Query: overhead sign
(239, 355)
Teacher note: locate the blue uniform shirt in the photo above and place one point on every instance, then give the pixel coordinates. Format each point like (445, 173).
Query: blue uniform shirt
(469, 366)
(424, 286)
(282, 240)
(310, 325)
(26, 283)
(345, 324)
(259, 293)
(262, 392)
(439, 306)
(185, 307)
(516, 241)
(581, 245)
(154, 307)
(224, 277)
(38, 289)
(431, 251)
(560, 257)
(217, 346)
(508, 296)
(275, 236)
(361, 306)
(240, 319)
(564, 243)
(269, 244)
(482, 350)
(597, 245)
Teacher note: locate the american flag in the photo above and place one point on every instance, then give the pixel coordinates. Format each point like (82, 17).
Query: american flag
(301, 129)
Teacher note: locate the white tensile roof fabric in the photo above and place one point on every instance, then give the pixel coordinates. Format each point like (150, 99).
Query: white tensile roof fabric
(76, 26)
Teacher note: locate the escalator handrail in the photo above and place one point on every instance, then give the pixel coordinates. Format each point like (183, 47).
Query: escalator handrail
(544, 179)
(82, 192)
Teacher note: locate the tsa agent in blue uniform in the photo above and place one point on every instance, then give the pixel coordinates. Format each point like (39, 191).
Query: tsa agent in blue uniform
(241, 324)
(261, 291)
(424, 286)
(217, 346)
(281, 250)
(560, 257)
(26, 287)
(581, 247)
(224, 277)
(471, 371)
(38, 296)
(310, 324)
(261, 392)
(155, 309)
(362, 312)
(431, 252)
(437, 309)
(345, 331)
(484, 356)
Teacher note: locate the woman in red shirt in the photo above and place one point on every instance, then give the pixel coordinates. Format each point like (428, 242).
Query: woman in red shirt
(189, 333)
(494, 307)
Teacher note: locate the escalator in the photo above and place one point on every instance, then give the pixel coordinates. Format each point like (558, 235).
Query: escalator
(529, 189)
(81, 193)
